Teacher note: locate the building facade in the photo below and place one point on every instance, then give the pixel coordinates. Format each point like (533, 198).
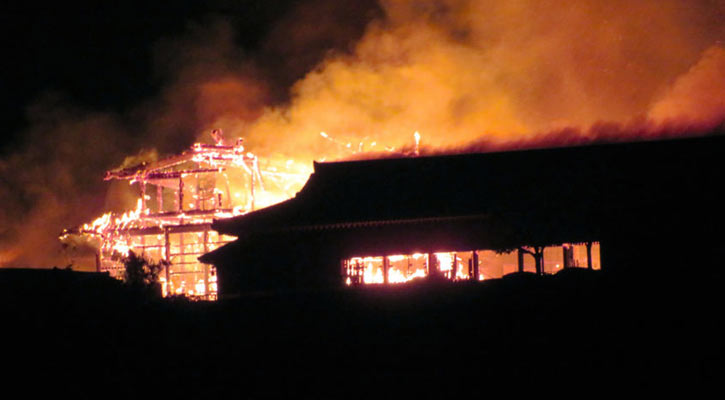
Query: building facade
(627, 206)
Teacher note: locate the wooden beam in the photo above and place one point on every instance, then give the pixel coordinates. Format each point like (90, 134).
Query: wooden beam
(386, 270)
(589, 255)
(476, 272)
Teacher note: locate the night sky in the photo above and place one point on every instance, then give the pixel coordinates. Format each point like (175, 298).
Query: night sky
(101, 56)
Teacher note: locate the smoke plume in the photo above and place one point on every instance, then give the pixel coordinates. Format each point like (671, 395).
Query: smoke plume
(458, 71)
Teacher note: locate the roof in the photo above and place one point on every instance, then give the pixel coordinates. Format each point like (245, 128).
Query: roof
(583, 180)
(176, 166)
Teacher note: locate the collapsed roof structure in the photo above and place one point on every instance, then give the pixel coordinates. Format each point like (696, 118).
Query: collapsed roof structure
(179, 197)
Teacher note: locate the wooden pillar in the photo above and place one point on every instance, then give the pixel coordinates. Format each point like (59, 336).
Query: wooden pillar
(251, 190)
(432, 267)
(142, 214)
(167, 265)
(143, 195)
(476, 272)
(160, 198)
(360, 272)
(181, 194)
(386, 270)
(589, 255)
(200, 203)
(569, 260)
(206, 266)
(454, 266)
(345, 271)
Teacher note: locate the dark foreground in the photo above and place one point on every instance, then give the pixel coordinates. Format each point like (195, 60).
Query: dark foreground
(579, 331)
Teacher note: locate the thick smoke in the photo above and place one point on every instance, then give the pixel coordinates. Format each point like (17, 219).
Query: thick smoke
(468, 75)
(699, 93)
(459, 71)
(54, 180)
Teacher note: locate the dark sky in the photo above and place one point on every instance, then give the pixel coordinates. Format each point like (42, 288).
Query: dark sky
(98, 55)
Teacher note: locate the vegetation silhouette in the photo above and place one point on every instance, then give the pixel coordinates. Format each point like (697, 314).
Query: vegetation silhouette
(575, 330)
(142, 273)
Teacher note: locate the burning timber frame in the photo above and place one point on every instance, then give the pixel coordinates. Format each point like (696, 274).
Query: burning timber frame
(191, 190)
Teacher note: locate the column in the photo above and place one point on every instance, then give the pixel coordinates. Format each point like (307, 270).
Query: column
(386, 270)
(476, 272)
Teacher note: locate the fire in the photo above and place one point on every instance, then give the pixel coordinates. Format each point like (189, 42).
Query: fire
(465, 71)
(402, 268)
(179, 197)
(463, 265)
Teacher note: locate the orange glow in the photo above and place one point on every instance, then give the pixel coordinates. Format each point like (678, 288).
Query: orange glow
(467, 71)
(401, 268)
(469, 75)
(179, 197)
(459, 265)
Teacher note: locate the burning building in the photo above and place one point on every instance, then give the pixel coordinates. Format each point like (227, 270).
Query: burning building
(648, 204)
(178, 198)
(212, 216)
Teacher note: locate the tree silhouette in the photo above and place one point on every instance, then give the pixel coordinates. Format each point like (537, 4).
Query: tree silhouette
(538, 253)
(141, 272)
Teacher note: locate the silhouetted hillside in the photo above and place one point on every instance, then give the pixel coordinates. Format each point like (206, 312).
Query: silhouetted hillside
(579, 329)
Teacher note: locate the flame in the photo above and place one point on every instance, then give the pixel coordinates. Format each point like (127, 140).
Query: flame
(242, 182)
(458, 265)
(460, 70)
(403, 267)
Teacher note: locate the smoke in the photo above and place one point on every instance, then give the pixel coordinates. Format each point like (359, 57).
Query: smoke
(699, 93)
(458, 71)
(468, 75)
(311, 31)
(54, 179)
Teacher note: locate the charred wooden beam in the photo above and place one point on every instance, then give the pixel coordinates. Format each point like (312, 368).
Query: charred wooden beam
(157, 230)
(476, 272)
(386, 270)
(568, 255)
(589, 255)
(150, 177)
